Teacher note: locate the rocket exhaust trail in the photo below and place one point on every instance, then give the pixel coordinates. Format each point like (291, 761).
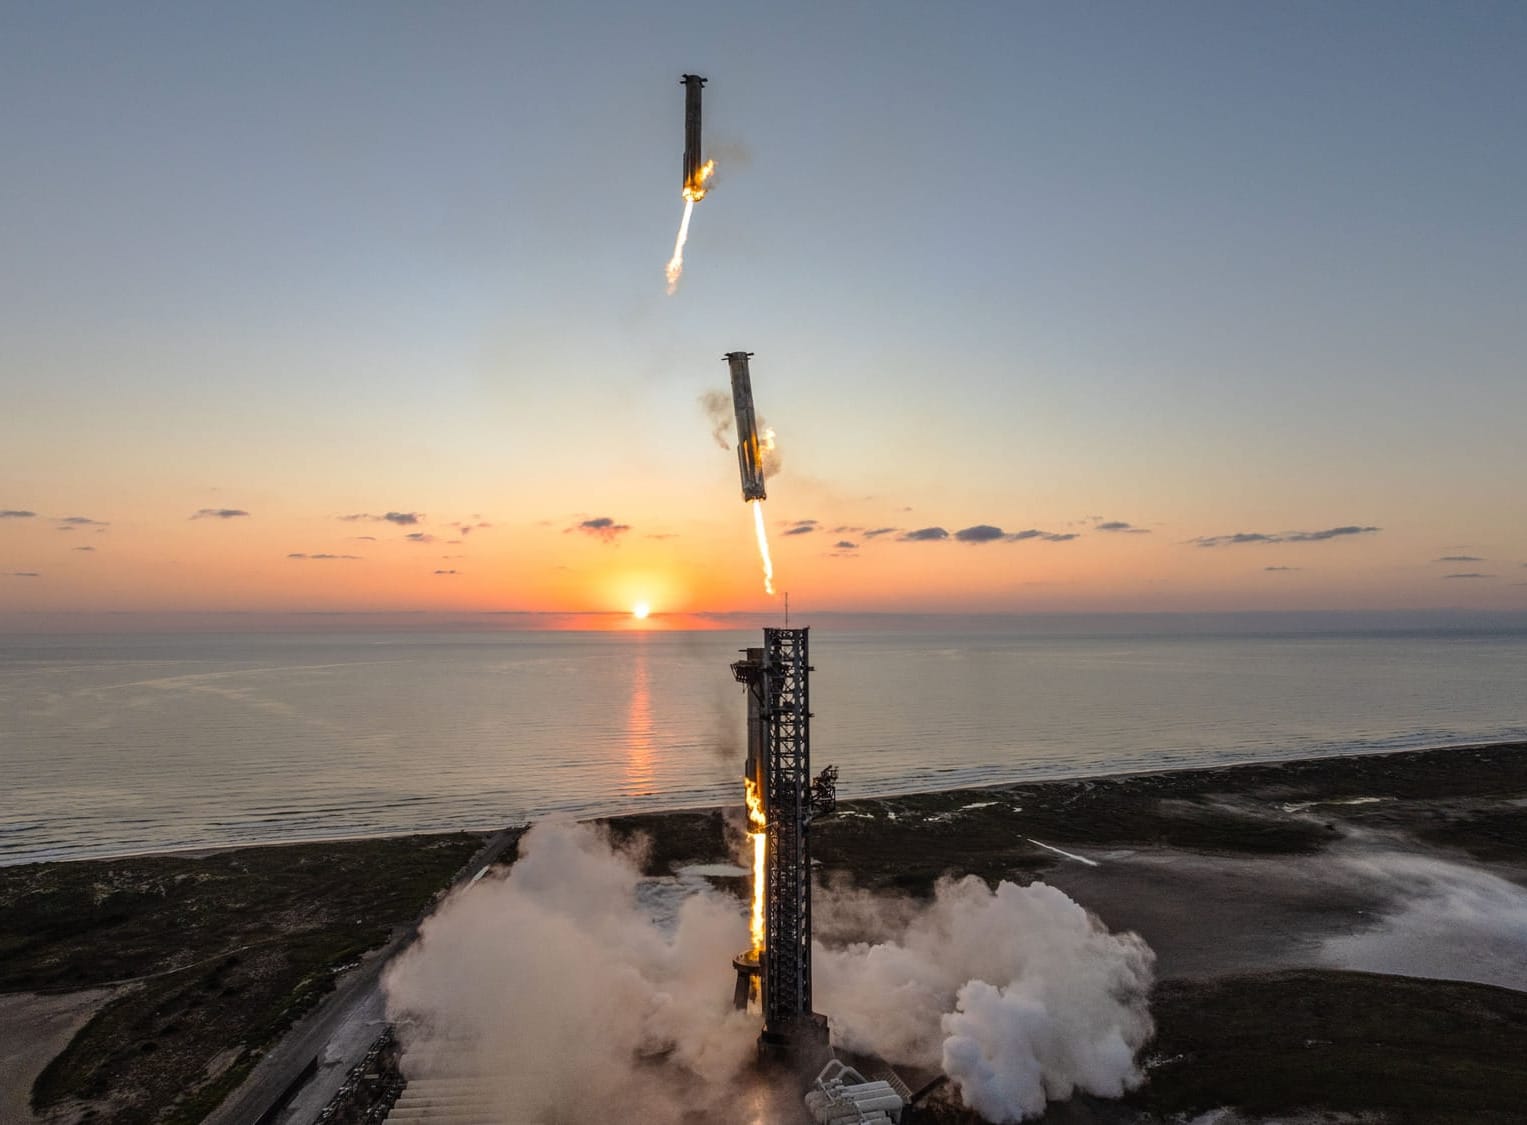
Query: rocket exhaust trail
(676, 263)
(763, 545)
(692, 195)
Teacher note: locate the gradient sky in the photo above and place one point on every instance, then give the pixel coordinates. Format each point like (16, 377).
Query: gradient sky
(1203, 269)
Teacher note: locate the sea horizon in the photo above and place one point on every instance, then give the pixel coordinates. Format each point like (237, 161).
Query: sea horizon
(131, 743)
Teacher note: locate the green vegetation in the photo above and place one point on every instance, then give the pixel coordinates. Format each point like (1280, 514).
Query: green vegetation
(220, 955)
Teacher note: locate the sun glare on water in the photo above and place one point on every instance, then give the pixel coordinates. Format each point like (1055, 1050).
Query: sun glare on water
(640, 611)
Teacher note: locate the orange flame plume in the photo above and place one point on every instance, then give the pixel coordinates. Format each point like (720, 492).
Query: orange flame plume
(756, 824)
(695, 190)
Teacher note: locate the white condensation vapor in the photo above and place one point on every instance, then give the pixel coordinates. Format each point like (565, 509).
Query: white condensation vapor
(552, 992)
(1018, 993)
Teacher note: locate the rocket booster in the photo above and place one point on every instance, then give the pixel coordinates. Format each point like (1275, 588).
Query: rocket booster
(749, 460)
(692, 84)
(755, 768)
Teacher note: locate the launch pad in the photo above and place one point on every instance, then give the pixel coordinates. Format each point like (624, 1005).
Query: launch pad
(778, 682)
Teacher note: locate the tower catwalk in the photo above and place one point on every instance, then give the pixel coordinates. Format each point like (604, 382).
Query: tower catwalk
(778, 680)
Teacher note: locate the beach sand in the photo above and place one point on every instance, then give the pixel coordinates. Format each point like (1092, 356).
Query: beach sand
(37, 1027)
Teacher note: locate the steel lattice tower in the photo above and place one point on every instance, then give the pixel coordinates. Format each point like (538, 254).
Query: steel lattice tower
(778, 678)
(787, 899)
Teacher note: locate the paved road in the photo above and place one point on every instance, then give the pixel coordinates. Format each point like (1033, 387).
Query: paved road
(341, 1020)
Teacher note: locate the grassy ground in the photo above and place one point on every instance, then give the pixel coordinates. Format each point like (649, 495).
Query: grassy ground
(221, 954)
(1467, 798)
(1417, 1050)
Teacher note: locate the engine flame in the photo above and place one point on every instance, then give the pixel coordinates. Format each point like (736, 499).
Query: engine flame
(763, 545)
(675, 268)
(695, 190)
(756, 824)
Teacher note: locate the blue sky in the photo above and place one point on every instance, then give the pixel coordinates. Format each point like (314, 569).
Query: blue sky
(1206, 268)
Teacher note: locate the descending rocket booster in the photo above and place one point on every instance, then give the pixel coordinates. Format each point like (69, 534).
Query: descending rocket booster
(694, 171)
(749, 460)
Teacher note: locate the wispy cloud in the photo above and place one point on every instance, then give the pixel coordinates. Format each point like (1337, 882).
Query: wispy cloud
(447, 572)
(1278, 569)
(846, 545)
(72, 522)
(84, 548)
(1470, 574)
(466, 528)
(924, 535)
(300, 555)
(15, 514)
(419, 537)
(1046, 536)
(603, 528)
(1459, 558)
(1120, 525)
(801, 527)
(1281, 536)
(402, 519)
(877, 532)
(25, 574)
(219, 513)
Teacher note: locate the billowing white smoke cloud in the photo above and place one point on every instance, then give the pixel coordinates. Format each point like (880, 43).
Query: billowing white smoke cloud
(558, 996)
(555, 989)
(1018, 993)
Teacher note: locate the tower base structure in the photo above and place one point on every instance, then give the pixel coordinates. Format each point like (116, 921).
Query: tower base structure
(748, 989)
(800, 1045)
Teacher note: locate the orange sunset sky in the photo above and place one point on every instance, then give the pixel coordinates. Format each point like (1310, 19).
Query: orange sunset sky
(1222, 305)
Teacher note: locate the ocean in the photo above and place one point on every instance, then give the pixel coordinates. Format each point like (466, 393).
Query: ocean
(118, 744)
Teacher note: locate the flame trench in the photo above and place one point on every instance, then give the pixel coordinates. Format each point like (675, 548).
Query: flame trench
(756, 825)
(763, 545)
(694, 191)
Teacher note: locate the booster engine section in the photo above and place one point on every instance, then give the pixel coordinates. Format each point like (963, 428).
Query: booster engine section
(694, 176)
(749, 459)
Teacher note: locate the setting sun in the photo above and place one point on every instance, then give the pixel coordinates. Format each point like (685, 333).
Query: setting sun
(640, 610)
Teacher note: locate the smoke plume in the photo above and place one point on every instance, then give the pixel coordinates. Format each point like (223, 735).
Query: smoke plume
(718, 412)
(556, 988)
(1019, 994)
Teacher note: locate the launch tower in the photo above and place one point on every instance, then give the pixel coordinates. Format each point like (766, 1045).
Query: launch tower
(778, 681)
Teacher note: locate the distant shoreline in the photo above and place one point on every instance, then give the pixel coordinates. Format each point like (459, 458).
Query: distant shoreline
(1246, 768)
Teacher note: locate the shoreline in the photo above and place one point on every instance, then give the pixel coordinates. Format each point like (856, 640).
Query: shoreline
(203, 850)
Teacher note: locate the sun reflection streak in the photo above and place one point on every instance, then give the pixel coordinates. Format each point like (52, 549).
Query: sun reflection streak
(641, 750)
